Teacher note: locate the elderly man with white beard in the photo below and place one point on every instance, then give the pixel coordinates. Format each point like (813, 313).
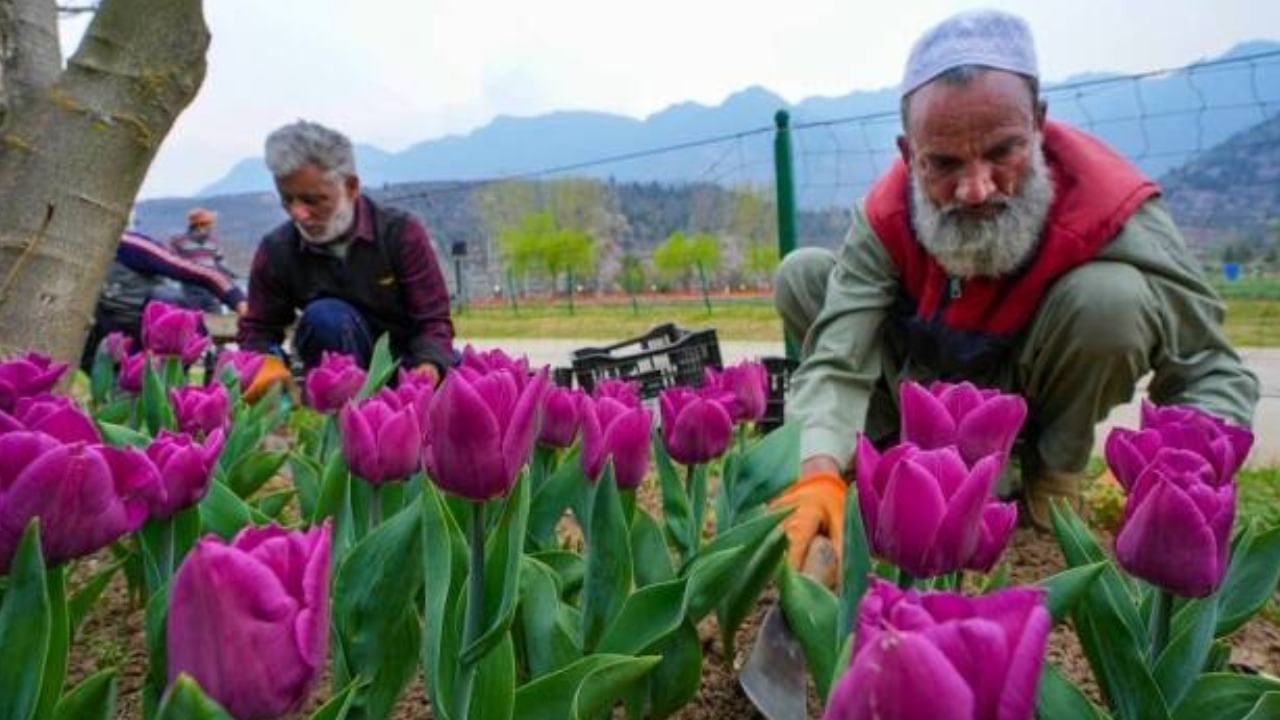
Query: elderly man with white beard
(352, 268)
(1007, 250)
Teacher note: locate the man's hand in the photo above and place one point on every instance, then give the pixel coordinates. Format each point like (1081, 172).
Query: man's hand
(818, 498)
(241, 308)
(272, 372)
(429, 370)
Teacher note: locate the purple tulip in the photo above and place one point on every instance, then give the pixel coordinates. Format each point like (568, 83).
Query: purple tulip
(28, 375)
(943, 656)
(201, 410)
(1176, 531)
(381, 438)
(185, 469)
(54, 415)
(245, 364)
(480, 433)
(117, 345)
(611, 429)
(249, 619)
(998, 521)
(695, 428)
(747, 384)
(1223, 445)
(336, 380)
(86, 496)
(561, 417)
(412, 389)
(922, 509)
(169, 330)
(132, 370)
(978, 422)
(484, 362)
(626, 392)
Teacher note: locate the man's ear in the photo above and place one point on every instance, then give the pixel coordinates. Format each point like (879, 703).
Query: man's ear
(1042, 111)
(904, 148)
(352, 185)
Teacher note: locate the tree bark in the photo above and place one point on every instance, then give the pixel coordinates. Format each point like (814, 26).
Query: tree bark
(73, 154)
(30, 57)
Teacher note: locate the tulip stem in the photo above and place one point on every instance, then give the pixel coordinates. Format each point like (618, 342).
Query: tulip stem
(1161, 612)
(375, 506)
(475, 606)
(905, 580)
(166, 549)
(697, 489)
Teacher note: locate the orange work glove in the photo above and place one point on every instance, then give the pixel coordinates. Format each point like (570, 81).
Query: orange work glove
(272, 372)
(429, 370)
(818, 499)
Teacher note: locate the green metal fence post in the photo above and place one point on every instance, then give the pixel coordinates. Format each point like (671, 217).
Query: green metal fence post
(784, 185)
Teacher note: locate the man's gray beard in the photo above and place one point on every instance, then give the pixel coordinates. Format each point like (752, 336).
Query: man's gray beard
(338, 224)
(969, 248)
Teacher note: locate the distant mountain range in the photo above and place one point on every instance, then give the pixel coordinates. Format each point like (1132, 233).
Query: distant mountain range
(1159, 120)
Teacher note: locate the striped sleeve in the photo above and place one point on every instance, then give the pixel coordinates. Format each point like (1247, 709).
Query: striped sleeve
(140, 254)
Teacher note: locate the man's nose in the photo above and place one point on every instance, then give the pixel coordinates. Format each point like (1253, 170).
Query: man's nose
(298, 211)
(976, 186)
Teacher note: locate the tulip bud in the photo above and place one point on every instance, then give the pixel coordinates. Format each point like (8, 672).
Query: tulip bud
(117, 345)
(132, 371)
(922, 509)
(978, 422)
(185, 469)
(1223, 445)
(480, 432)
(611, 429)
(245, 364)
(169, 330)
(695, 428)
(626, 392)
(747, 387)
(201, 410)
(980, 658)
(28, 375)
(86, 496)
(561, 417)
(381, 438)
(996, 527)
(1176, 531)
(336, 380)
(55, 415)
(262, 601)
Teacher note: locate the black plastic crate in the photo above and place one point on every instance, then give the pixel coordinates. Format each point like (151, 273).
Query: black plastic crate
(779, 370)
(664, 357)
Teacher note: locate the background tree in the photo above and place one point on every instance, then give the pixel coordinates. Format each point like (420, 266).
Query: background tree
(762, 261)
(631, 278)
(522, 243)
(75, 145)
(681, 255)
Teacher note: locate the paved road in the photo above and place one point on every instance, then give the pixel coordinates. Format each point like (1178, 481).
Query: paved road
(1264, 362)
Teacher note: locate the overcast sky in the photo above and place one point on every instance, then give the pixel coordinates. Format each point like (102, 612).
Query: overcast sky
(396, 72)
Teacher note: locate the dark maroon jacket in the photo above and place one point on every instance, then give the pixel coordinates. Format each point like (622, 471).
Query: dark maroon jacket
(390, 274)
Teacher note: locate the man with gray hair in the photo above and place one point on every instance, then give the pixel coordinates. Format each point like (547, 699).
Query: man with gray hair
(1006, 250)
(352, 268)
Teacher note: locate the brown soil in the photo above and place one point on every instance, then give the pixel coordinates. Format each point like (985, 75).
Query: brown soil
(113, 636)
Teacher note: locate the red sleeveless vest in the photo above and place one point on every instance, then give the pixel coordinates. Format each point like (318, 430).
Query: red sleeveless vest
(1095, 192)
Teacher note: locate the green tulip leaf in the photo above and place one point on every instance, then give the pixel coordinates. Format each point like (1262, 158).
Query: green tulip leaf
(117, 412)
(186, 701)
(156, 410)
(122, 436)
(742, 595)
(1190, 641)
(155, 627)
(855, 564)
(676, 512)
(26, 624)
(333, 488)
(375, 617)
(710, 577)
(1226, 696)
(444, 568)
(223, 513)
(83, 600)
(1067, 587)
(381, 367)
(93, 699)
(339, 706)
(583, 690)
(253, 470)
(504, 550)
(1268, 708)
(753, 532)
(650, 555)
(675, 681)
(570, 569)
(1250, 581)
(55, 664)
(494, 691)
(102, 376)
(307, 476)
(609, 571)
(810, 610)
(1059, 699)
(768, 467)
(560, 491)
(548, 646)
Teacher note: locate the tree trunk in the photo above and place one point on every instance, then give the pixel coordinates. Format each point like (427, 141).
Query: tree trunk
(74, 151)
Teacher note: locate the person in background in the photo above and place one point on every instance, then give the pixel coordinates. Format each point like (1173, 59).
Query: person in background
(199, 245)
(1004, 249)
(344, 268)
(137, 276)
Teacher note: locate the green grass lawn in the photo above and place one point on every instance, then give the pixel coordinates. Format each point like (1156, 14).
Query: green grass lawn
(1251, 321)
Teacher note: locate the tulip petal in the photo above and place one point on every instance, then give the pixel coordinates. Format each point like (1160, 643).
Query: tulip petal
(961, 525)
(910, 512)
(465, 454)
(925, 422)
(977, 650)
(523, 425)
(885, 679)
(991, 427)
(1165, 540)
(628, 441)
